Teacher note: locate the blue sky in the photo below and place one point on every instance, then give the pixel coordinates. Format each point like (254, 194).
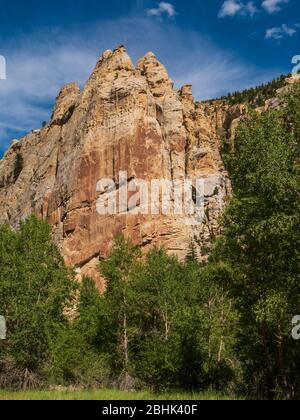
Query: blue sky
(218, 46)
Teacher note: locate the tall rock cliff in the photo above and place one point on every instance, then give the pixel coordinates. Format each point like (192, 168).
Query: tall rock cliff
(126, 118)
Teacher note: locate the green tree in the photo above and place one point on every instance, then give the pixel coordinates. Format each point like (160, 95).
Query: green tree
(261, 247)
(119, 272)
(183, 344)
(80, 355)
(35, 290)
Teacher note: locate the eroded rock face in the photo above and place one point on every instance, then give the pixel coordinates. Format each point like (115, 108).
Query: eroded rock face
(126, 118)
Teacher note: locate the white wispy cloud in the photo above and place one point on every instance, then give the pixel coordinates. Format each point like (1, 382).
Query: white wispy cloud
(232, 8)
(36, 67)
(39, 64)
(163, 9)
(280, 32)
(273, 6)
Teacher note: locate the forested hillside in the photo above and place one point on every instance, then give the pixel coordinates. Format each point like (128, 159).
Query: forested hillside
(255, 96)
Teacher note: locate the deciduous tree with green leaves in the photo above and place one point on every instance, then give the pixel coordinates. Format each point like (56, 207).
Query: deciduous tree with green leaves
(261, 247)
(119, 271)
(35, 290)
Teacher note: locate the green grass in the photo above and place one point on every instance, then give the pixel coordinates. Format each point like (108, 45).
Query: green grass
(105, 394)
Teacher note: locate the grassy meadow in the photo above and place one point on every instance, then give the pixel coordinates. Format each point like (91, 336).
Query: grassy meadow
(108, 395)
